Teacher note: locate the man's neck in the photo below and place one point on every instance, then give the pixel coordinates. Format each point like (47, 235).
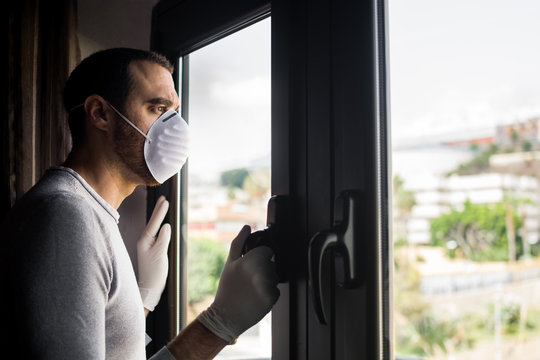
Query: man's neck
(103, 176)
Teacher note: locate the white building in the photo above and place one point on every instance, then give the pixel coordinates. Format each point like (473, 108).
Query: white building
(424, 170)
(438, 196)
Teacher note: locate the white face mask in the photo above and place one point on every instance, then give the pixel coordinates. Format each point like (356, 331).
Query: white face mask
(166, 145)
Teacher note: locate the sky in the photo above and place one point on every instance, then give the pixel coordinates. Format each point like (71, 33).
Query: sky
(457, 69)
(229, 106)
(461, 67)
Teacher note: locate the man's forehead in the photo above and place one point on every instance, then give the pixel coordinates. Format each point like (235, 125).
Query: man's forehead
(151, 80)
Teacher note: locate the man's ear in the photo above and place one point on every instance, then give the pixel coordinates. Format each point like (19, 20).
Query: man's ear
(97, 113)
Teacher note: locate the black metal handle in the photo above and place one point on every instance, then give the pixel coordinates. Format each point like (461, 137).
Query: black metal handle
(275, 234)
(320, 243)
(341, 240)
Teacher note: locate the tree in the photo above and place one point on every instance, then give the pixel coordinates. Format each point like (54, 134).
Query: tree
(257, 183)
(513, 206)
(206, 260)
(404, 198)
(479, 232)
(404, 201)
(234, 178)
(478, 164)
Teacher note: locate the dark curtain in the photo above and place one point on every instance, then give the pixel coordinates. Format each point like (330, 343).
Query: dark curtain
(42, 49)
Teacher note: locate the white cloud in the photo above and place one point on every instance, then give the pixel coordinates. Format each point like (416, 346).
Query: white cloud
(252, 92)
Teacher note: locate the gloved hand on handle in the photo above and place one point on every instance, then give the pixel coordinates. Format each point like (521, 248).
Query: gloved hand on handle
(153, 263)
(247, 290)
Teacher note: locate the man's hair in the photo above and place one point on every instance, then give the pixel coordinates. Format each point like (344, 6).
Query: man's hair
(104, 73)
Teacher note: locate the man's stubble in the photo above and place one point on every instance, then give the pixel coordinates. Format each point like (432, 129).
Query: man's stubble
(129, 146)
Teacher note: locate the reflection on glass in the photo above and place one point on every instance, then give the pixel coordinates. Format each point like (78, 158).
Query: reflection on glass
(229, 165)
(466, 178)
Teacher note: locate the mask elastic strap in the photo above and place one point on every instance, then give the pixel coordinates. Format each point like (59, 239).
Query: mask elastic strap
(75, 108)
(130, 123)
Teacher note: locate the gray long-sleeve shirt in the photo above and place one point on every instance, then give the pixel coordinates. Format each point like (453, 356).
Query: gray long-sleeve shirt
(71, 290)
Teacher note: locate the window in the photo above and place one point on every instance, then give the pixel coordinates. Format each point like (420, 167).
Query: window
(464, 90)
(328, 135)
(229, 165)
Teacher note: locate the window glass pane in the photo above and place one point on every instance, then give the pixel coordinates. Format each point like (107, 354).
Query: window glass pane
(229, 165)
(465, 90)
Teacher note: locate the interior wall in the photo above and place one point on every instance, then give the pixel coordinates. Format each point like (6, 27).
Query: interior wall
(104, 24)
(114, 23)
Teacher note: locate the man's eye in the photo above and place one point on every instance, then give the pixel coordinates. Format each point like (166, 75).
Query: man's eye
(160, 109)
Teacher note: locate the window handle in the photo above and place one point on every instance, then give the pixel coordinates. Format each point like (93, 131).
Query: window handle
(275, 234)
(341, 241)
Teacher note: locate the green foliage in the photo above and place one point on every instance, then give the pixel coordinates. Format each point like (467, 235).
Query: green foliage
(206, 259)
(423, 332)
(400, 242)
(478, 164)
(420, 332)
(514, 136)
(526, 145)
(514, 319)
(234, 178)
(511, 317)
(257, 183)
(532, 321)
(404, 198)
(479, 232)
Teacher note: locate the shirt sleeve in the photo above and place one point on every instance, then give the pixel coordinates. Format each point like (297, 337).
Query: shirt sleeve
(61, 278)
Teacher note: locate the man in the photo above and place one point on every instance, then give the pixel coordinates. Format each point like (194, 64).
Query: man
(71, 289)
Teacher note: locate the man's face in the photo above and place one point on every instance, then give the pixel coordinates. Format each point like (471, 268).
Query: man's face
(152, 94)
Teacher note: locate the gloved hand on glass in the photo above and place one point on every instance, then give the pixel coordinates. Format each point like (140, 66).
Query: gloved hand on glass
(247, 290)
(153, 263)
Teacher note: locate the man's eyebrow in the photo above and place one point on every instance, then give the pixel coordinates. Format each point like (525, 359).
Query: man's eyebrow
(160, 101)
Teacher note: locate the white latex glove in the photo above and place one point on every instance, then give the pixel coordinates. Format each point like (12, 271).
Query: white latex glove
(247, 290)
(153, 263)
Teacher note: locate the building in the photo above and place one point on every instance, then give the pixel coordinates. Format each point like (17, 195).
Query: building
(437, 196)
